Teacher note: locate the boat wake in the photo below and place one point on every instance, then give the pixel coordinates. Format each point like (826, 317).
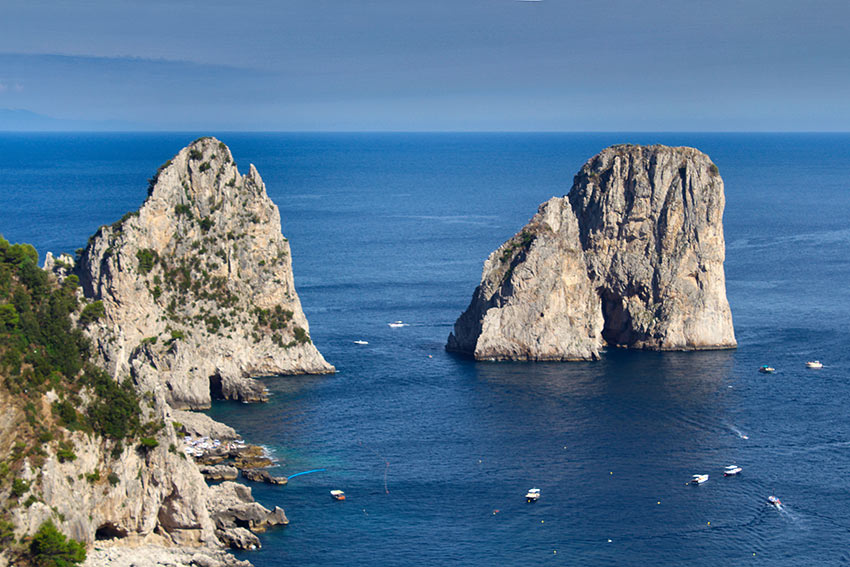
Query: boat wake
(738, 432)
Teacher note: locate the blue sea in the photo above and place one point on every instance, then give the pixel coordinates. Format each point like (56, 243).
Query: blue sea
(434, 451)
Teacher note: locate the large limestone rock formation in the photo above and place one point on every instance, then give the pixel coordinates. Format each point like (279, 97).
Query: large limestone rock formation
(535, 301)
(197, 285)
(632, 257)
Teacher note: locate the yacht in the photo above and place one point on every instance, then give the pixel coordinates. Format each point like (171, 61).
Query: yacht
(814, 364)
(532, 495)
(732, 470)
(699, 478)
(337, 494)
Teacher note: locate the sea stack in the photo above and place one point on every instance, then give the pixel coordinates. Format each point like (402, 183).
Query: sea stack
(197, 286)
(631, 257)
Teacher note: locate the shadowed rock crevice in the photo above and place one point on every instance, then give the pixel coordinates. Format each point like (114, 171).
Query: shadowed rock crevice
(632, 256)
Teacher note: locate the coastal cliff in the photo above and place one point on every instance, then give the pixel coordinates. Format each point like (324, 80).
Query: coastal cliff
(179, 303)
(197, 286)
(631, 257)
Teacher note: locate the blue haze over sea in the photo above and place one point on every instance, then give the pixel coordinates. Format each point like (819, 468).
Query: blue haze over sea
(396, 226)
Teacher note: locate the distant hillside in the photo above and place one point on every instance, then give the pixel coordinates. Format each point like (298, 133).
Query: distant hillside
(16, 120)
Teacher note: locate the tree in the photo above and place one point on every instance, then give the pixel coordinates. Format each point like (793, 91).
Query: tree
(50, 548)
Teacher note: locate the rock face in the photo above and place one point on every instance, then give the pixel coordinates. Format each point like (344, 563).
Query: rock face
(632, 257)
(197, 285)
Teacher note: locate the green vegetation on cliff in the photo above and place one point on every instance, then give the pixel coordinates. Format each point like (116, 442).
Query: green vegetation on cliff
(43, 349)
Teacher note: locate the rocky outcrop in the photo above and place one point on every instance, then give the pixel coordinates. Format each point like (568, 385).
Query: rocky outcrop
(535, 300)
(259, 475)
(632, 257)
(219, 472)
(234, 509)
(158, 556)
(197, 286)
(201, 425)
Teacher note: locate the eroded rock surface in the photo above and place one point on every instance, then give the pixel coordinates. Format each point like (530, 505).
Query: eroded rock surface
(197, 285)
(632, 257)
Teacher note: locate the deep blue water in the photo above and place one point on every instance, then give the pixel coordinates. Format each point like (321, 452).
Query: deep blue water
(396, 226)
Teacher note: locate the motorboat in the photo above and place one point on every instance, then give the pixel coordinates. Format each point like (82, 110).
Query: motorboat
(732, 470)
(397, 324)
(765, 369)
(814, 364)
(361, 342)
(532, 495)
(774, 500)
(699, 478)
(337, 494)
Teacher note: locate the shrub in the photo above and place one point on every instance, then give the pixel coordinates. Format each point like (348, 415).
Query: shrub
(66, 454)
(301, 335)
(182, 209)
(205, 223)
(195, 154)
(147, 258)
(148, 443)
(51, 548)
(115, 411)
(113, 479)
(92, 312)
(93, 477)
(20, 487)
(7, 532)
(204, 166)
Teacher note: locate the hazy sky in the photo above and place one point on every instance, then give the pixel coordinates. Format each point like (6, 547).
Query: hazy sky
(430, 64)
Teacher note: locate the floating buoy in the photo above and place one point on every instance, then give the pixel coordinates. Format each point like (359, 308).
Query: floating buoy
(555, 551)
(609, 541)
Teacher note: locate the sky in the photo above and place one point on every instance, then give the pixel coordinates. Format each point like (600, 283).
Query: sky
(425, 65)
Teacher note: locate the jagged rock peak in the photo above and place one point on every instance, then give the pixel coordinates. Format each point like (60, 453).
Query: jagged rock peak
(632, 257)
(197, 285)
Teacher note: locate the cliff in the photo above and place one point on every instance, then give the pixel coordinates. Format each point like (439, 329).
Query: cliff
(197, 286)
(632, 257)
(182, 301)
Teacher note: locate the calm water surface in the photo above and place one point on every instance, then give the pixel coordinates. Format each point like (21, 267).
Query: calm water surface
(434, 451)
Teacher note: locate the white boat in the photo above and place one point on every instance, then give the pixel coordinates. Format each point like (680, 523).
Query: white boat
(397, 324)
(361, 342)
(765, 369)
(699, 478)
(532, 495)
(732, 470)
(814, 364)
(774, 500)
(337, 494)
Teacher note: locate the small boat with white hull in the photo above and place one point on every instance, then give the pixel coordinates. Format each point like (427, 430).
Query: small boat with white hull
(397, 324)
(814, 364)
(533, 495)
(774, 501)
(337, 494)
(765, 369)
(732, 470)
(698, 479)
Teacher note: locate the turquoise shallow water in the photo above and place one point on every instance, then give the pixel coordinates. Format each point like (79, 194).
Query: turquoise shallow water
(396, 226)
